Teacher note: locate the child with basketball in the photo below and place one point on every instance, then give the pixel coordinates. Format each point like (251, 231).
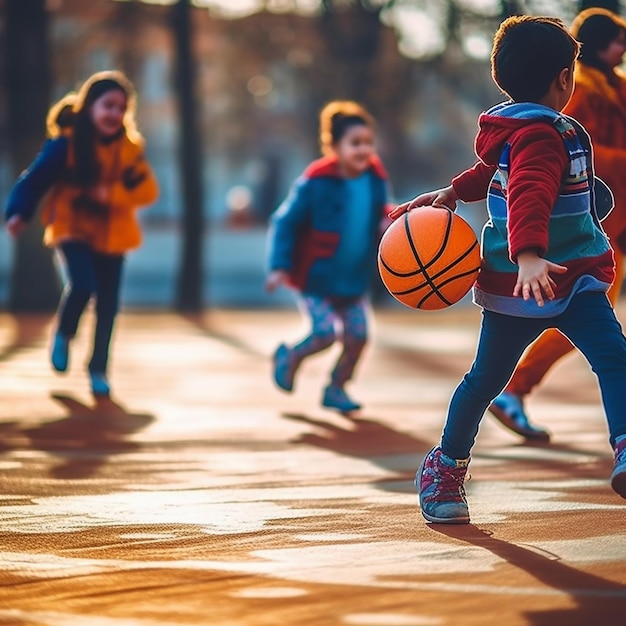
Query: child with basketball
(93, 175)
(546, 260)
(322, 243)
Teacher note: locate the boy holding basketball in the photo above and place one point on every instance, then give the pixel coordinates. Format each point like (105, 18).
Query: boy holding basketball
(546, 260)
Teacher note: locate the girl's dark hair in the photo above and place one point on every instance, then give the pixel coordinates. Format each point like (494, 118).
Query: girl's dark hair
(336, 118)
(595, 29)
(528, 54)
(74, 111)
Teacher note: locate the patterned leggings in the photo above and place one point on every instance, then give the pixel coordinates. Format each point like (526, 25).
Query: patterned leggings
(330, 318)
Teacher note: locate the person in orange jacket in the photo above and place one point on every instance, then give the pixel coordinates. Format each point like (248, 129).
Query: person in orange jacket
(92, 176)
(599, 103)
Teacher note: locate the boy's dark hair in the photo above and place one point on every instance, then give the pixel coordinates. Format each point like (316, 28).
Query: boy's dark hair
(528, 53)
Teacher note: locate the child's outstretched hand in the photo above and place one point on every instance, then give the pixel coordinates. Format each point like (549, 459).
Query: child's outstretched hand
(445, 198)
(533, 277)
(15, 226)
(275, 279)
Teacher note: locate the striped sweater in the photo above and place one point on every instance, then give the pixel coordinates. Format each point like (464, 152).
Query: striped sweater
(536, 169)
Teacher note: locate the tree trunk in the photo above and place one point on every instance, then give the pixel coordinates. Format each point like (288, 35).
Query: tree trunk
(34, 282)
(190, 279)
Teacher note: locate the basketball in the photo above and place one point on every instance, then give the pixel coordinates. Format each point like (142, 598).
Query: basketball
(429, 258)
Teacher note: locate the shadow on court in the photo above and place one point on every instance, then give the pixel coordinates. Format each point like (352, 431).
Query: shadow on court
(597, 599)
(83, 440)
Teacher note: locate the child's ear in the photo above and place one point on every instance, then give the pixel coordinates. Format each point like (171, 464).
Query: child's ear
(564, 78)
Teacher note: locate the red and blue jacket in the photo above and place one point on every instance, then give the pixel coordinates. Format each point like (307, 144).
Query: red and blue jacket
(536, 171)
(306, 228)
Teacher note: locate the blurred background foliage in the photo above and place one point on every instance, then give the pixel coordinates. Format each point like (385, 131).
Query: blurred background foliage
(229, 92)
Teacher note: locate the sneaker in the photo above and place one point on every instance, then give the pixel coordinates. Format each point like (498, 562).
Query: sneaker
(60, 352)
(337, 398)
(99, 384)
(284, 371)
(618, 477)
(508, 409)
(439, 482)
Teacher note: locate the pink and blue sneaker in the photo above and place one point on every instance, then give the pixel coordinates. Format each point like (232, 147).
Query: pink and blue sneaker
(439, 482)
(618, 477)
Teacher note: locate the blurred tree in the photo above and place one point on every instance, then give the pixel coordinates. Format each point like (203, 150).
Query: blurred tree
(34, 283)
(189, 287)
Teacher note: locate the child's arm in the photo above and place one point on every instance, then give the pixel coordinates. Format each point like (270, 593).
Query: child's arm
(137, 187)
(33, 184)
(537, 163)
(468, 186)
(285, 225)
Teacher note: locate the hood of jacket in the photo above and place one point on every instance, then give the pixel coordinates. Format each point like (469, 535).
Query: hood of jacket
(503, 120)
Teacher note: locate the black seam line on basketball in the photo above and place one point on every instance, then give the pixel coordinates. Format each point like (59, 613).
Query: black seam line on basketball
(400, 274)
(419, 261)
(443, 271)
(428, 295)
(455, 262)
(431, 262)
(443, 284)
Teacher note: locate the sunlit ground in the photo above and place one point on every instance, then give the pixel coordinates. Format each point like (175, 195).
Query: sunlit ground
(198, 494)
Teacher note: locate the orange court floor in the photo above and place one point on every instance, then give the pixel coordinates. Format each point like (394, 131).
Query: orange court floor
(199, 494)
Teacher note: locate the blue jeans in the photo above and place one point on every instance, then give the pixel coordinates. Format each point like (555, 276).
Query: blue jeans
(590, 324)
(90, 274)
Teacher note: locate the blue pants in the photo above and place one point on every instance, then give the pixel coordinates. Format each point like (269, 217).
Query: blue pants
(589, 322)
(90, 274)
(332, 318)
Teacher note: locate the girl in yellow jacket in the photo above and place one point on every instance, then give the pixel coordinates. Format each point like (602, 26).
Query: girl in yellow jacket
(93, 176)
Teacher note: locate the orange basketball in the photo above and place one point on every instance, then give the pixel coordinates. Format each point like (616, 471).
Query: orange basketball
(429, 258)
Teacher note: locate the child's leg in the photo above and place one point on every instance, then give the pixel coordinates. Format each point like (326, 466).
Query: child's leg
(108, 269)
(78, 261)
(323, 318)
(354, 319)
(502, 340)
(590, 323)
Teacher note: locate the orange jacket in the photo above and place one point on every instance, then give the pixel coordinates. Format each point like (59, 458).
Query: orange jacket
(601, 108)
(108, 224)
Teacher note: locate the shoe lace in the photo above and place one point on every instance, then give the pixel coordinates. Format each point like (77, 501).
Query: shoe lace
(448, 481)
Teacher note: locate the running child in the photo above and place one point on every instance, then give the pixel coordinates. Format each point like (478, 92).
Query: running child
(93, 176)
(322, 243)
(547, 262)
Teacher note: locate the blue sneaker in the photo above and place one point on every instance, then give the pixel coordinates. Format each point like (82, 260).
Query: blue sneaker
(508, 409)
(439, 482)
(99, 384)
(60, 352)
(336, 398)
(618, 477)
(284, 371)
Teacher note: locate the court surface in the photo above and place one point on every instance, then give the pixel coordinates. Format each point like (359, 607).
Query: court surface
(199, 494)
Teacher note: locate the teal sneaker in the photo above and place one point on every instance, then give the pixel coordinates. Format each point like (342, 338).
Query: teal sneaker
(618, 477)
(508, 409)
(336, 398)
(60, 352)
(439, 482)
(284, 371)
(99, 384)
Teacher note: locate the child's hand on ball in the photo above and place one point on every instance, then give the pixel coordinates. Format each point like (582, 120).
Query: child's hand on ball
(444, 198)
(276, 279)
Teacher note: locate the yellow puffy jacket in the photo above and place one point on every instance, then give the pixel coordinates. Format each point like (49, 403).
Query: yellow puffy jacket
(105, 220)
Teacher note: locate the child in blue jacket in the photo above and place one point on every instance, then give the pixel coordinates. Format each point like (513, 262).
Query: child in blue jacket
(323, 242)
